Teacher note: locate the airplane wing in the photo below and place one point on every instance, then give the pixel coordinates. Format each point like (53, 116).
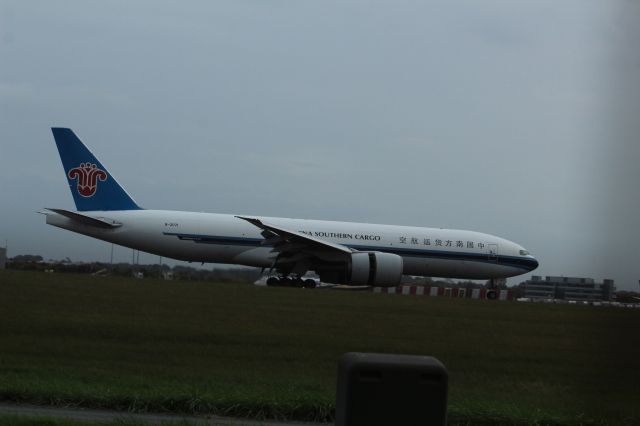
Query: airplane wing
(297, 252)
(284, 237)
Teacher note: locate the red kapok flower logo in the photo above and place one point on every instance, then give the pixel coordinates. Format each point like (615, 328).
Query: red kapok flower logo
(88, 175)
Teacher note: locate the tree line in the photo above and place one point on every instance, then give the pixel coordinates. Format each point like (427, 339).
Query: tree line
(178, 272)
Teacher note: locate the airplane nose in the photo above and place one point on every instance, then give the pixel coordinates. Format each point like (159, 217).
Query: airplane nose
(533, 263)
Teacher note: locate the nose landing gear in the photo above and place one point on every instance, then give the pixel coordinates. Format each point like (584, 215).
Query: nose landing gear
(493, 288)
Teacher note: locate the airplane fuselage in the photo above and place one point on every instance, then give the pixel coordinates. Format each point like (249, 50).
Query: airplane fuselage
(224, 238)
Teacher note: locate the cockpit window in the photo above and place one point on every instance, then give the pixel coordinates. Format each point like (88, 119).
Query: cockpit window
(524, 253)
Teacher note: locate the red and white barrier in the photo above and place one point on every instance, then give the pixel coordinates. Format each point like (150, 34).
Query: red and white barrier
(451, 292)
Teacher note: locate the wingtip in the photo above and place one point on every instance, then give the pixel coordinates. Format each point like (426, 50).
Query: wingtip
(251, 220)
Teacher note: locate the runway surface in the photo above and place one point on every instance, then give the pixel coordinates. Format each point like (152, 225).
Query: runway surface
(157, 419)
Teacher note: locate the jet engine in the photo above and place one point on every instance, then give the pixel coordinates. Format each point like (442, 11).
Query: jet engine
(363, 268)
(375, 268)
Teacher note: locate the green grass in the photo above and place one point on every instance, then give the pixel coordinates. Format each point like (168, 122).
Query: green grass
(232, 349)
(15, 420)
(11, 420)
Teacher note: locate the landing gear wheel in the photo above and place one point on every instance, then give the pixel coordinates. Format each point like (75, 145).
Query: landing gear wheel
(309, 283)
(286, 282)
(491, 294)
(273, 282)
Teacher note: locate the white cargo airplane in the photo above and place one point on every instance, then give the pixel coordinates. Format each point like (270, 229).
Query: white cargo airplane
(339, 252)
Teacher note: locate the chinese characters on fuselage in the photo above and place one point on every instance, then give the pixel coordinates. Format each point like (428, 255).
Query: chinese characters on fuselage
(441, 243)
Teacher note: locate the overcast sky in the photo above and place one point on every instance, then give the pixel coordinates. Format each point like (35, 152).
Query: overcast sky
(519, 119)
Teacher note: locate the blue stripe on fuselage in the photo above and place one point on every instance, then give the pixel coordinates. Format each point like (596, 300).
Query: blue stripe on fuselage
(215, 239)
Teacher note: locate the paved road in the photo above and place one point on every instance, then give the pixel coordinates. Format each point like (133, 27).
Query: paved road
(107, 415)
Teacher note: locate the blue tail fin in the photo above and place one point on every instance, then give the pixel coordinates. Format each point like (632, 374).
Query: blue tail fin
(92, 186)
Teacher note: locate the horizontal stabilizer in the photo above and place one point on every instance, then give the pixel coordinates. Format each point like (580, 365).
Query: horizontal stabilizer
(87, 220)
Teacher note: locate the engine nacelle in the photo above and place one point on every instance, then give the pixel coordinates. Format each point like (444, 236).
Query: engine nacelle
(375, 268)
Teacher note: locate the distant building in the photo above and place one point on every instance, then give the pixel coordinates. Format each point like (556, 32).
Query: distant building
(3, 257)
(569, 288)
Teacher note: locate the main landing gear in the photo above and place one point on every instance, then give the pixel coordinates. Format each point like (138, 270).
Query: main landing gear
(492, 290)
(291, 282)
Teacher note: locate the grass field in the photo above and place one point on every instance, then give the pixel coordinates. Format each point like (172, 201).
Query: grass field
(13, 420)
(231, 349)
